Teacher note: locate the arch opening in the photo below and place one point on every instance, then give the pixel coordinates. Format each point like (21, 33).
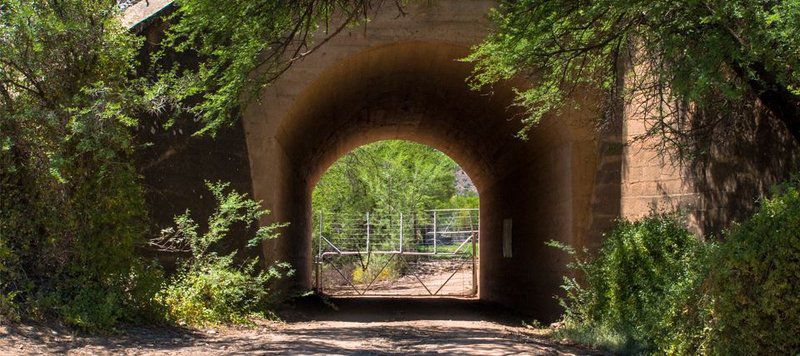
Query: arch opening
(395, 218)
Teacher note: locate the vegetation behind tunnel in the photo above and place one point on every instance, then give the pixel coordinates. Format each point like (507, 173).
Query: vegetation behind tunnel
(387, 179)
(393, 177)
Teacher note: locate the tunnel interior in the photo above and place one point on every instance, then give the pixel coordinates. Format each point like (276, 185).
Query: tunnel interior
(532, 191)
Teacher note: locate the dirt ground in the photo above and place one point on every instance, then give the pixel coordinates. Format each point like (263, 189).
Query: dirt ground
(442, 278)
(344, 326)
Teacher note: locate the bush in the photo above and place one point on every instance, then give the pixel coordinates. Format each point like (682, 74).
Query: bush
(101, 304)
(635, 294)
(209, 288)
(8, 309)
(378, 268)
(655, 287)
(67, 247)
(755, 282)
(71, 203)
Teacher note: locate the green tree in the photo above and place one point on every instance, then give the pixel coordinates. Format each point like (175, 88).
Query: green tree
(71, 207)
(390, 177)
(683, 54)
(242, 46)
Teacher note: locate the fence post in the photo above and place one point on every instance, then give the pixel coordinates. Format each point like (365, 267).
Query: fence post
(474, 256)
(319, 254)
(401, 232)
(367, 235)
(434, 232)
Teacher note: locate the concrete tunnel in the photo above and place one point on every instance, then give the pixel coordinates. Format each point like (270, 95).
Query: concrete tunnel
(399, 76)
(417, 91)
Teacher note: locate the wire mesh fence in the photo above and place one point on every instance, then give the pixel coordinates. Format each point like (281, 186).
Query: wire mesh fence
(428, 253)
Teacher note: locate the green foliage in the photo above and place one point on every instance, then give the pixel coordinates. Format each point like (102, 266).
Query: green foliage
(755, 281)
(389, 177)
(464, 201)
(680, 51)
(71, 204)
(99, 306)
(653, 287)
(8, 309)
(638, 292)
(71, 207)
(210, 288)
(243, 46)
(375, 270)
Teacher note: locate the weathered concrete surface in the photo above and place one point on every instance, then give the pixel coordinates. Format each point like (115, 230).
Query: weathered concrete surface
(743, 154)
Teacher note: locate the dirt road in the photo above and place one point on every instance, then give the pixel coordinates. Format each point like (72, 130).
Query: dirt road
(371, 326)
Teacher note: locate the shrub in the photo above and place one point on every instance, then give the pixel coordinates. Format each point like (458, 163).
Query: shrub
(636, 293)
(755, 281)
(8, 309)
(377, 269)
(67, 247)
(71, 201)
(654, 287)
(210, 288)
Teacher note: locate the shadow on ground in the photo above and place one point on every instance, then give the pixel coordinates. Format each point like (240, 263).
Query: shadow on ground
(384, 309)
(317, 325)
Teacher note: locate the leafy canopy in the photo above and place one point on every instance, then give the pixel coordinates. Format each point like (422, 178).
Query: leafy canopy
(390, 177)
(679, 53)
(243, 46)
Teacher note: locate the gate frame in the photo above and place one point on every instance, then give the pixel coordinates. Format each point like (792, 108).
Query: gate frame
(319, 259)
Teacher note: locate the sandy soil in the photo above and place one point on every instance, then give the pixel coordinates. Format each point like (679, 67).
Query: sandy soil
(360, 326)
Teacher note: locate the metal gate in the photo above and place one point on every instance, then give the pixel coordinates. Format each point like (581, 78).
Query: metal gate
(429, 253)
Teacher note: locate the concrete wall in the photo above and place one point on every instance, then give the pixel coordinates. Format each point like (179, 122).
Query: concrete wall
(732, 160)
(175, 164)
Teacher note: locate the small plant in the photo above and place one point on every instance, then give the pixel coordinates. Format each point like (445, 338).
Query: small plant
(210, 288)
(379, 268)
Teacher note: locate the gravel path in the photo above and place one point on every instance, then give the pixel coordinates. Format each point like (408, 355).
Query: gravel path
(357, 326)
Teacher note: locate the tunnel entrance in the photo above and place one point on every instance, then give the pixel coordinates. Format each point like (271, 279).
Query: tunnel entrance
(395, 218)
(531, 191)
